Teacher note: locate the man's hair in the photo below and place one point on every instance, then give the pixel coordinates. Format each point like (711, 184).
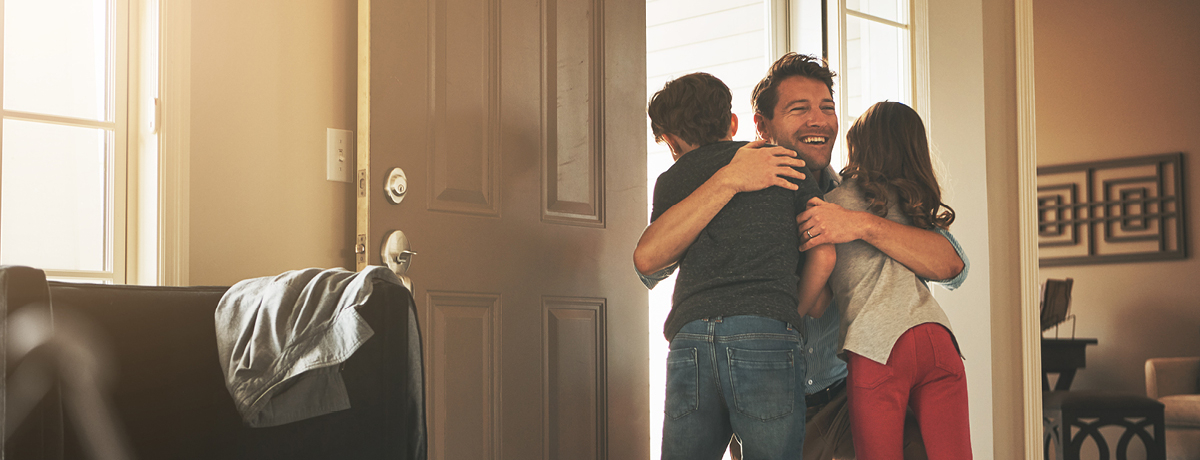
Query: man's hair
(887, 146)
(766, 93)
(696, 107)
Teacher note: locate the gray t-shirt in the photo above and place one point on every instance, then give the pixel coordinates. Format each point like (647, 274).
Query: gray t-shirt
(879, 297)
(745, 260)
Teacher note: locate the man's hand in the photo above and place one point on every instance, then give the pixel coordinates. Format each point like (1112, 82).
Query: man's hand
(756, 167)
(927, 253)
(825, 222)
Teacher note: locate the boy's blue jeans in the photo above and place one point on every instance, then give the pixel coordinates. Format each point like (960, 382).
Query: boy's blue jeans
(738, 374)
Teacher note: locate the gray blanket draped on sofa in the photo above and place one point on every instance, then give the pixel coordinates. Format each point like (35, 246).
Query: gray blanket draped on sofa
(168, 392)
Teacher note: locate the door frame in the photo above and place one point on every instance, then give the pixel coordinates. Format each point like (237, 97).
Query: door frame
(1031, 351)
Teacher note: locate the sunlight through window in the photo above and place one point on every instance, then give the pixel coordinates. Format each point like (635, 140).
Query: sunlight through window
(63, 135)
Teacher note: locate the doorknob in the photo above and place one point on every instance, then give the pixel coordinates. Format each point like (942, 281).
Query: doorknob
(397, 186)
(397, 254)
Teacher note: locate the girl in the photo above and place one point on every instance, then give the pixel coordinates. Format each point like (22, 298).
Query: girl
(895, 338)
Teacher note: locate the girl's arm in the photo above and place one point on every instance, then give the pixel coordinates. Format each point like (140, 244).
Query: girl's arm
(812, 289)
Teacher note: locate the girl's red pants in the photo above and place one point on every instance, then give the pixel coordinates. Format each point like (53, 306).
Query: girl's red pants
(924, 371)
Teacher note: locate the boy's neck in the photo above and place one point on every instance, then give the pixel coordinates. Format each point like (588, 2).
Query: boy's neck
(680, 147)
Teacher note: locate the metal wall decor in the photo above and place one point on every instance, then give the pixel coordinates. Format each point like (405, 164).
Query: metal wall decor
(1115, 211)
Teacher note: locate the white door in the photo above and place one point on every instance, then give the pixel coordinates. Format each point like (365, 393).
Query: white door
(520, 129)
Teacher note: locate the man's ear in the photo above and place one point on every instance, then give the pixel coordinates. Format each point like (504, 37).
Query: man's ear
(733, 125)
(760, 125)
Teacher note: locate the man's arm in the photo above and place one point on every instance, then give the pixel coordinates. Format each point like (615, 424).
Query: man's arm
(929, 254)
(754, 167)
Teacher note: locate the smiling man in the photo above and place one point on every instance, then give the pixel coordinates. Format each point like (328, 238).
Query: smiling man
(794, 108)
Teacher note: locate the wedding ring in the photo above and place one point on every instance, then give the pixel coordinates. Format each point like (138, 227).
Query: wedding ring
(809, 235)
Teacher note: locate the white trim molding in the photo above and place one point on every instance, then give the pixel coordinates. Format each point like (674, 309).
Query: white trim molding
(919, 41)
(143, 185)
(175, 141)
(779, 32)
(1027, 234)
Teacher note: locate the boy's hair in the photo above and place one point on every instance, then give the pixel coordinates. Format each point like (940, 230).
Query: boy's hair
(887, 146)
(766, 93)
(696, 107)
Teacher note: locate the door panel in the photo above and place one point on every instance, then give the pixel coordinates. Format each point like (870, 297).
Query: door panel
(464, 80)
(521, 128)
(574, 389)
(462, 382)
(574, 147)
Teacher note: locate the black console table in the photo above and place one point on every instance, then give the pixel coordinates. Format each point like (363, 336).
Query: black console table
(1063, 357)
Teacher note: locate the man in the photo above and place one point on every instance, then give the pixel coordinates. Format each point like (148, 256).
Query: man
(794, 108)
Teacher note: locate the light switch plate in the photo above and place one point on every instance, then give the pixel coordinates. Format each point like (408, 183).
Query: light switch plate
(339, 155)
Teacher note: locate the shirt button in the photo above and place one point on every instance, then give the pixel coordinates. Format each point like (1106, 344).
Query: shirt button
(810, 350)
(810, 382)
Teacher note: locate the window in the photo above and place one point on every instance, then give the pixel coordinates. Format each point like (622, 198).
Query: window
(876, 56)
(69, 137)
(875, 52)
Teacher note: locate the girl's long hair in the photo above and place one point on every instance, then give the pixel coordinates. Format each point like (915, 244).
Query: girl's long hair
(887, 146)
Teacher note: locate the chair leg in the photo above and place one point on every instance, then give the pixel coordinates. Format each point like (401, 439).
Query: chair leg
(1050, 435)
(1160, 436)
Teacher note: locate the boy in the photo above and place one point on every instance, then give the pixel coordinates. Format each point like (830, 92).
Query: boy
(734, 362)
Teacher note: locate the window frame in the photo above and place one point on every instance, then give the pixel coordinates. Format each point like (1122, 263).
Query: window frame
(173, 121)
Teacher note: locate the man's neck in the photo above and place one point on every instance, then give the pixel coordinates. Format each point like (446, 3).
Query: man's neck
(827, 178)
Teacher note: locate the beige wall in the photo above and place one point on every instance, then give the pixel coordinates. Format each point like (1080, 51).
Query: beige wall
(1000, 98)
(1116, 79)
(956, 125)
(268, 77)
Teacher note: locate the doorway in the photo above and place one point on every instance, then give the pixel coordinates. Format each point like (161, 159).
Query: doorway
(729, 40)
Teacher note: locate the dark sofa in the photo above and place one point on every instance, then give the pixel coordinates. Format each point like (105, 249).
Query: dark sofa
(169, 393)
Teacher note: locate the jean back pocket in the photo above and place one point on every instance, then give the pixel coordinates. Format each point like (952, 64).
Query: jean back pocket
(764, 382)
(682, 396)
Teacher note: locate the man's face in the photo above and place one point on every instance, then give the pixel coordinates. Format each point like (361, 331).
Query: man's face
(804, 120)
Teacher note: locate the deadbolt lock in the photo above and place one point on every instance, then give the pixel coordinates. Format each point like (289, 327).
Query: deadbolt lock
(397, 186)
